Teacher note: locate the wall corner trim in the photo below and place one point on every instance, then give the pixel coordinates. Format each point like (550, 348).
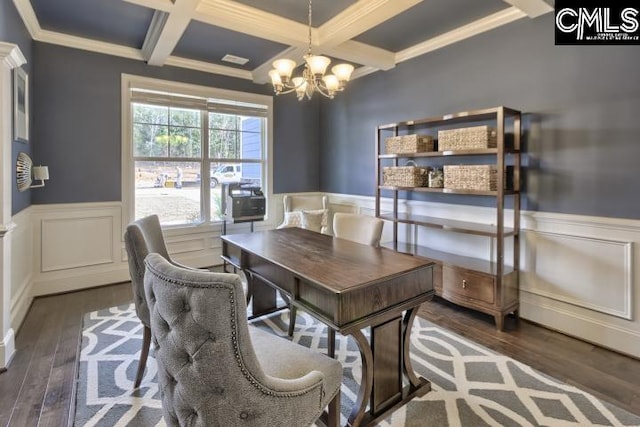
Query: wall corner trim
(11, 55)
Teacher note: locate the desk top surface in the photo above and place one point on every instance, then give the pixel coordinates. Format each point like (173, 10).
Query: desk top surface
(335, 263)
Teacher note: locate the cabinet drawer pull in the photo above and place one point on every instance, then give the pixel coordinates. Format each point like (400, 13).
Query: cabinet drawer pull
(464, 284)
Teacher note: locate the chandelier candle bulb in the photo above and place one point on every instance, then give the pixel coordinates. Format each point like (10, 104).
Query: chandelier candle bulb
(317, 64)
(275, 77)
(285, 68)
(342, 72)
(331, 82)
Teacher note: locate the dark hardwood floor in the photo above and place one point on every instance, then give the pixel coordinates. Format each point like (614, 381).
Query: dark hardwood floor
(37, 388)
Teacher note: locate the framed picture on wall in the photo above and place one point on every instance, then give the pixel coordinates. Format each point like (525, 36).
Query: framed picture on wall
(20, 105)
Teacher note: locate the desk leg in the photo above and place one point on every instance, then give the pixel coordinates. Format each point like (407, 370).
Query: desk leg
(366, 383)
(263, 296)
(419, 386)
(384, 362)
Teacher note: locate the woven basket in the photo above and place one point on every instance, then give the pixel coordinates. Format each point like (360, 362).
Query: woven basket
(469, 138)
(407, 144)
(404, 176)
(471, 177)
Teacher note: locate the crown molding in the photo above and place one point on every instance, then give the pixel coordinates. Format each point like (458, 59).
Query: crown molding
(359, 18)
(533, 8)
(363, 71)
(11, 55)
(90, 45)
(207, 67)
(464, 32)
(332, 38)
(248, 20)
(28, 15)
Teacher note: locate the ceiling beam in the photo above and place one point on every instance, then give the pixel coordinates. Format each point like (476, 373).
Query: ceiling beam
(166, 29)
(254, 22)
(361, 53)
(359, 18)
(533, 8)
(162, 5)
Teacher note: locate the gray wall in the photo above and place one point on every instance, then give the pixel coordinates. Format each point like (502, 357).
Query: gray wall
(581, 124)
(78, 131)
(12, 30)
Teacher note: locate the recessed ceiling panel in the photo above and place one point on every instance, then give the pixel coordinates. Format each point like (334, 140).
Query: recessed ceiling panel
(113, 21)
(427, 19)
(208, 43)
(298, 10)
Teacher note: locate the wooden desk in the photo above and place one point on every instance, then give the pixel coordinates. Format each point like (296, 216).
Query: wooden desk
(347, 286)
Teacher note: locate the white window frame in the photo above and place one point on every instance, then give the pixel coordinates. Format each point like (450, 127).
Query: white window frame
(128, 176)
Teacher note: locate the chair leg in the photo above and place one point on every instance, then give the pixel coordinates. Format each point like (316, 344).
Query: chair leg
(146, 343)
(292, 318)
(331, 342)
(334, 411)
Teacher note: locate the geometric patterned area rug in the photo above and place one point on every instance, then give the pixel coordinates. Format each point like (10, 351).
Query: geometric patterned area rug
(471, 385)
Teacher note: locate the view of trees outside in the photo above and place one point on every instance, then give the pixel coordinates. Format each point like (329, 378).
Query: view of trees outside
(167, 148)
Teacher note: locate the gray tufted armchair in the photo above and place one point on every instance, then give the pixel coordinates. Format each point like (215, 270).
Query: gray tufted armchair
(216, 370)
(141, 238)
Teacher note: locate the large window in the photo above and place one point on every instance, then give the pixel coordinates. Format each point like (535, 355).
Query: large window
(187, 150)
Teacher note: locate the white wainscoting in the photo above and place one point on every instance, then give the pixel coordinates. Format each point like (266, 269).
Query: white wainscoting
(22, 249)
(80, 245)
(576, 272)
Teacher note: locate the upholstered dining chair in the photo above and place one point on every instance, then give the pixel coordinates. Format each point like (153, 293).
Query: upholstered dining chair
(296, 207)
(141, 238)
(358, 228)
(216, 370)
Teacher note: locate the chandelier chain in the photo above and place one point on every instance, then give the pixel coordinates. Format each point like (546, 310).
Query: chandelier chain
(309, 52)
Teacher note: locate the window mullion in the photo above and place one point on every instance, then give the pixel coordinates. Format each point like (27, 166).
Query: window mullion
(205, 168)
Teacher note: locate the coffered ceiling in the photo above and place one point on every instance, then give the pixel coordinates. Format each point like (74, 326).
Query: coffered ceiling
(372, 35)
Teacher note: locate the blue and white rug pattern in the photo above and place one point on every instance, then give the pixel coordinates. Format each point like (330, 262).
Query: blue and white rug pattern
(472, 386)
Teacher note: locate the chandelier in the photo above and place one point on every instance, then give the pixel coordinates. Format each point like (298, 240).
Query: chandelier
(313, 76)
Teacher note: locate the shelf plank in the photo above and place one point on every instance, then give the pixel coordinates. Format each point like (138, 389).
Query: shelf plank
(446, 190)
(465, 116)
(450, 153)
(449, 224)
(474, 264)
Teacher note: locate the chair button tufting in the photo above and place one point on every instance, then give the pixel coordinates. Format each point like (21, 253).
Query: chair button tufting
(219, 390)
(244, 415)
(186, 307)
(212, 337)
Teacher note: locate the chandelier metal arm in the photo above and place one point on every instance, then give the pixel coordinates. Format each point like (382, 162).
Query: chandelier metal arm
(313, 77)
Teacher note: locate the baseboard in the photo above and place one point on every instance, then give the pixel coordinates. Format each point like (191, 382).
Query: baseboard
(612, 337)
(7, 349)
(21, 302)
(82, 279)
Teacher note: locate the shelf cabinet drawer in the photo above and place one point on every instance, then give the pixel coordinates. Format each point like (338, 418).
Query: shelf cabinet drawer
(468, 284)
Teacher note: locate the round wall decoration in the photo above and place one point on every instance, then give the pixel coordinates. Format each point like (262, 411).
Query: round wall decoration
(23, 171)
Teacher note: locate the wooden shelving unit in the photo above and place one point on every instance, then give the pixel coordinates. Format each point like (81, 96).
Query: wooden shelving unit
(488, 286)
